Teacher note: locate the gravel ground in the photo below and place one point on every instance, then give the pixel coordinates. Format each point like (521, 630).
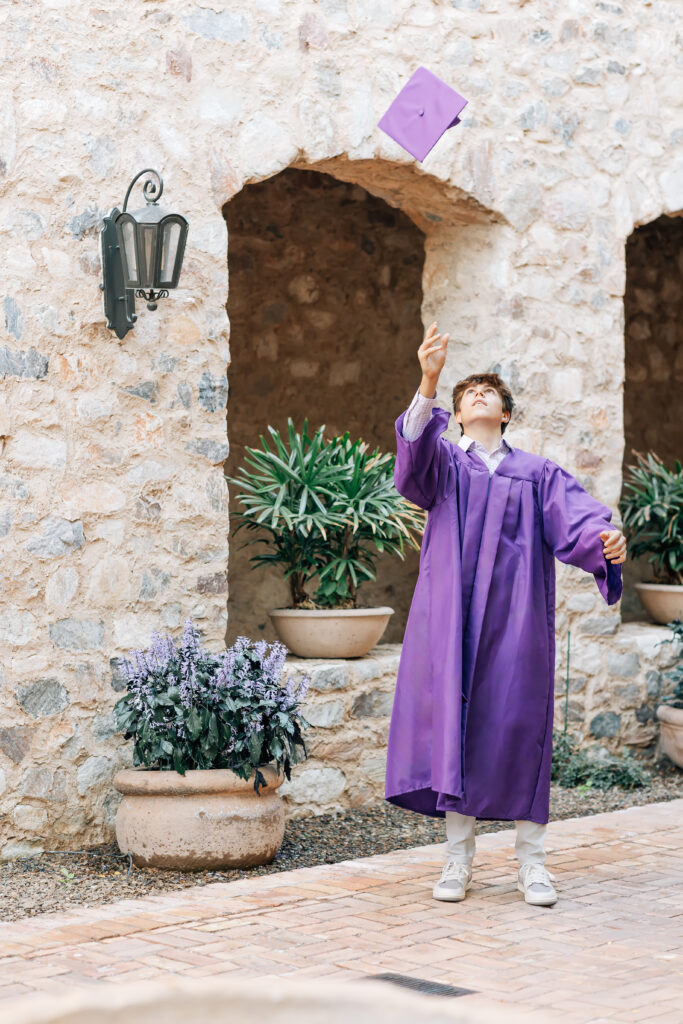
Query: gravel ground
(55, 881)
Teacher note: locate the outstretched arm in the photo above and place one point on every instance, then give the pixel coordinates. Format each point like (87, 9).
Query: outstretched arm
(576, 529)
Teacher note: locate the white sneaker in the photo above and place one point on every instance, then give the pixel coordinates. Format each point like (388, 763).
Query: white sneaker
(455, 879)
(534, 881)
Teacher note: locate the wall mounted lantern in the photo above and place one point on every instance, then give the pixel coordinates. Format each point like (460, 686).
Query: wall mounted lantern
(142, 253)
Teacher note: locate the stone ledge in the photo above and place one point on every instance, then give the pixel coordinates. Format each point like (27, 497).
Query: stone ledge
(613, 696)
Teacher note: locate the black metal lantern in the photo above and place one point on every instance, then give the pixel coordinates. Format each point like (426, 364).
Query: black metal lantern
(142, 254)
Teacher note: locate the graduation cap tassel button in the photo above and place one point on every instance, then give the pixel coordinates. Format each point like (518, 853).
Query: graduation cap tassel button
(436, 105)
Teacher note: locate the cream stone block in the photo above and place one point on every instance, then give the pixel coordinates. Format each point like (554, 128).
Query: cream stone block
(15, 849)
(37, 451)
(42, 112)
(17, 627)
(255, 159)
(113, 531)
(76, 367)
(147, 431)
(97, 496)
(29, 817)
(95, 406)
(324, 714)
(318, 786)
(220, 105)
(150, 470)
(584, 656)
(110, 582)
(374, 765)
(18, 262)
(581, 602)
(58, 263)
(671, 182)
(567, 384)
(131, 631)
(211, 237)
(182, 331)
(61, 588)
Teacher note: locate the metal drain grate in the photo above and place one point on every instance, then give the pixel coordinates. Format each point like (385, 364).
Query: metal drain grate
(436, 988)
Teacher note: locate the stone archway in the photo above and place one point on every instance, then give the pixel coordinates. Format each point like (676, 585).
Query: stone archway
(326, 307)
(653, 320)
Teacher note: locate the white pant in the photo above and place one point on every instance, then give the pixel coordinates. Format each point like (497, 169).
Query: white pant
(460, 845)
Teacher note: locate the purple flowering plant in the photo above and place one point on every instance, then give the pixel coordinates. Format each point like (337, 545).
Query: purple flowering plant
(186, 707)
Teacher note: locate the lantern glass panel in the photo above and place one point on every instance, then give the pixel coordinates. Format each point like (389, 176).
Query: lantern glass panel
(148, 232)
(169, 251)
(128, 233)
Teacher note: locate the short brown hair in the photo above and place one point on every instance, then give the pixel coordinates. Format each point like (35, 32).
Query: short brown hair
(484, 378)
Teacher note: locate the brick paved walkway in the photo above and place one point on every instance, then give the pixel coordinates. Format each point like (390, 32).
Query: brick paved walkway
(609, 950)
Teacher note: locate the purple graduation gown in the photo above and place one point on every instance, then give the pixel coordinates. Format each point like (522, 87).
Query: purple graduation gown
(472, 718)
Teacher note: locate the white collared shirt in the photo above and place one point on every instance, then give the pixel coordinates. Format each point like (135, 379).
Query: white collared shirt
(418, 415)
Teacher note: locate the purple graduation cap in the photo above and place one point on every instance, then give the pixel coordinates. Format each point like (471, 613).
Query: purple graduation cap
(423, 110)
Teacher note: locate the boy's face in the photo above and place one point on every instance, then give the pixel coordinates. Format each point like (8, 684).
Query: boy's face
(481, 403)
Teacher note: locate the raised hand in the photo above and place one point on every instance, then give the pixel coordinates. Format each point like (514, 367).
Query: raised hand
(432, 353)
(614, 546)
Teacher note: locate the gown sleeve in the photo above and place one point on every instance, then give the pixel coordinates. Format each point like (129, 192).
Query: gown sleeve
(572, 521)
(424, 467)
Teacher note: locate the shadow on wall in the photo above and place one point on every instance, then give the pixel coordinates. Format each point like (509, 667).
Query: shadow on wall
(325, 296)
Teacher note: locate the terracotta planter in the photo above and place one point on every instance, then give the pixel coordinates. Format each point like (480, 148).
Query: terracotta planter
(662, 601)
(204, 819)
(330, 632)
(671, 732)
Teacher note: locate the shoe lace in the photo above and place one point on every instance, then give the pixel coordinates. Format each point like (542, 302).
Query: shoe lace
(537, 873)
(455, 869)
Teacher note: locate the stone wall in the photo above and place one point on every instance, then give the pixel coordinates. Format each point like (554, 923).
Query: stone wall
(113, 503)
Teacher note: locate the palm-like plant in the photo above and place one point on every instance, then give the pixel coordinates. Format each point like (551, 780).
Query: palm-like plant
(328, 508)
(652, 514)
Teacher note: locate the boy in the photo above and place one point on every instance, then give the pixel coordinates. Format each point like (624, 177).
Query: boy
(471, 726)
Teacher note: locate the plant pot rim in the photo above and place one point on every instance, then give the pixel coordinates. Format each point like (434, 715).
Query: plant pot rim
(167, 782)
(322, 613)
(670, 715)
(659, 586)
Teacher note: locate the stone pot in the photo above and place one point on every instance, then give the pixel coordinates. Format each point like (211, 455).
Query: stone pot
(663, 601)
(207, 818)
(671, 732)
(330, 632)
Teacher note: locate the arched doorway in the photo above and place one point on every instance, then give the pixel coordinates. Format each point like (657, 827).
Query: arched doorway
(653, 320)
(325, 297)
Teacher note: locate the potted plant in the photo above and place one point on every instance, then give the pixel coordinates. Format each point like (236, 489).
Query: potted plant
(206, 729)
(652, 515)
(670, 710)
(327, 508)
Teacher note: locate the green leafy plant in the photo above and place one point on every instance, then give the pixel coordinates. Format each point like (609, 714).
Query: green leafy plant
(652, 514)
(186, 708)
(675, 699)
(328, 508)
(572, 766)
(67, 876)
